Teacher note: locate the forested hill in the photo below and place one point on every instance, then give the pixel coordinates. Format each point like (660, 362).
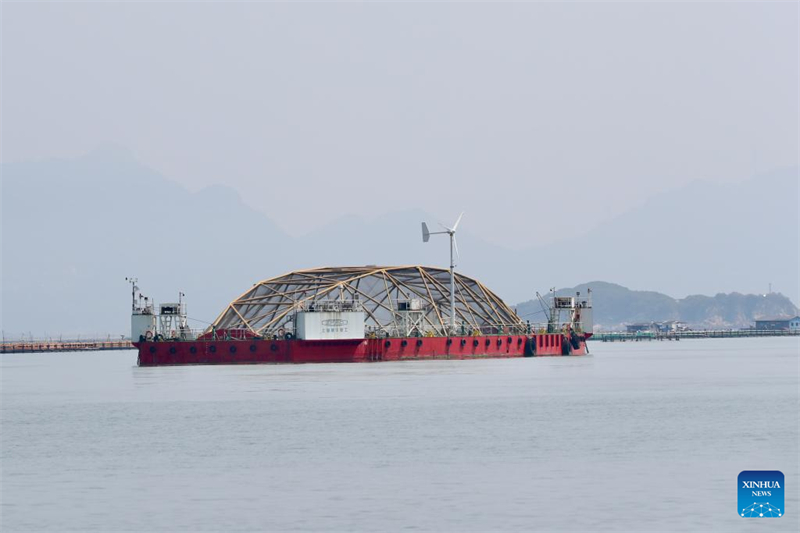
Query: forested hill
(615, 306)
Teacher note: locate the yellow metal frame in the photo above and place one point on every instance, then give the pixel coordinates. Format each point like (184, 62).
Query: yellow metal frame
(269, 304)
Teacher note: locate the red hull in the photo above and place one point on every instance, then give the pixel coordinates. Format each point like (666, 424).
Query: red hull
(216, 352)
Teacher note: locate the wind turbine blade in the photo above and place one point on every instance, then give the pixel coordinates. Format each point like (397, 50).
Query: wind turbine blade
(457, 221)
(455, 245)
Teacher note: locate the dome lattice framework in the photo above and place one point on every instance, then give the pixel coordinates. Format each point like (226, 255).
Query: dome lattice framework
(270, 304)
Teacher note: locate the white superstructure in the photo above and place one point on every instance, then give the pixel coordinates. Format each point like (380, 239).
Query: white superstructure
(169, 323)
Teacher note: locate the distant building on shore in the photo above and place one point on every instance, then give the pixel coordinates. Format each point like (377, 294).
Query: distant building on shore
(791, 323)
(672, 325)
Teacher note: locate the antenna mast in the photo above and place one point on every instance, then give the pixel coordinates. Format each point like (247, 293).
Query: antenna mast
(134, 288)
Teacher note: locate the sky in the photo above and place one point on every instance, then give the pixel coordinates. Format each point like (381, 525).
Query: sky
(540, 120)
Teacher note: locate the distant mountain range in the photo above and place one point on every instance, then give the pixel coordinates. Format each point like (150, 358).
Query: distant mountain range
(615, 306)
(74, 228)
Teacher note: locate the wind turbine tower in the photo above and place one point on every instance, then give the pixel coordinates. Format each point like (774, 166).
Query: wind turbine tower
(426, 235)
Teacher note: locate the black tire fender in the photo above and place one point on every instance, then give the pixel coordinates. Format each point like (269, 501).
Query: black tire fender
(566, 346)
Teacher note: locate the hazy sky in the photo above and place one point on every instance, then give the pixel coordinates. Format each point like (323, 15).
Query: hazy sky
(512, 112)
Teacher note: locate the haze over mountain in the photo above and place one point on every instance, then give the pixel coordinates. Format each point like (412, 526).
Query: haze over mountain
(508, 111)
(74, 228)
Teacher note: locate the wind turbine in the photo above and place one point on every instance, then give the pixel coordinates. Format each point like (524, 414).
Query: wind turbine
(426, 235)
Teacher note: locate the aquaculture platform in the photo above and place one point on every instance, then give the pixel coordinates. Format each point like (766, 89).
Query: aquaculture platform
(64, 346)
(612, 336)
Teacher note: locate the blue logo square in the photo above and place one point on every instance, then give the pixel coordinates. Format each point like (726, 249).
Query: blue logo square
(761, 494)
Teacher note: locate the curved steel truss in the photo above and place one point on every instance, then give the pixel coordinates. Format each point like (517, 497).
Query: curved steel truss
(384, 293)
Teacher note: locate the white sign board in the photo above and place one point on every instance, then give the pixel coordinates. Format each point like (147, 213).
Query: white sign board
(330, 325)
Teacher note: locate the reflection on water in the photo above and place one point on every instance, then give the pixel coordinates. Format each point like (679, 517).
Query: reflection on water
(644, 436)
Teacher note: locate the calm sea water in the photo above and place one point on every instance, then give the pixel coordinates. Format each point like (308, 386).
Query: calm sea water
(635, 437)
